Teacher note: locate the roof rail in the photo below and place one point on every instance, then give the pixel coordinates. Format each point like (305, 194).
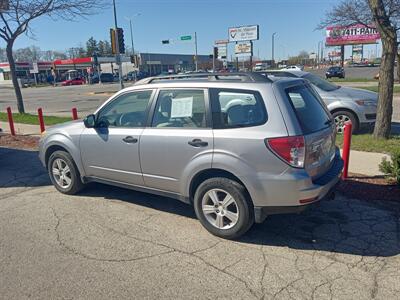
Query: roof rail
(242, 76)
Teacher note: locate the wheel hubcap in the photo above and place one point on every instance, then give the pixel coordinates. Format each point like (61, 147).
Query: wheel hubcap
(220, 209)
(61, 173)
(340, 121)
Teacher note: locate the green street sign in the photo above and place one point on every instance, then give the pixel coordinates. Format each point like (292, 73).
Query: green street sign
(186, 37)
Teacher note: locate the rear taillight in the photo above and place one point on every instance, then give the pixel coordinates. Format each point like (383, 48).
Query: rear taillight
(290, 149)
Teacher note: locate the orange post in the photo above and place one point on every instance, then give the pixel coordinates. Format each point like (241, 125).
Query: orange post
(74, 113)
(10, 121)
(346, 148)
(41, 121)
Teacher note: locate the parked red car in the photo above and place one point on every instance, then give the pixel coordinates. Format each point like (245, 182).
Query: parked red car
(75, 81)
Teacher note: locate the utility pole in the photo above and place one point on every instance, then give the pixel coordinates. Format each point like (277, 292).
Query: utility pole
(117, 55)
(213, 59)
(273, 49)
(195, 49)
(130, 25)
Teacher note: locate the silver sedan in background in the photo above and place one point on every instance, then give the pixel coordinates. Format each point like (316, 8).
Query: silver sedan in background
(344, 103)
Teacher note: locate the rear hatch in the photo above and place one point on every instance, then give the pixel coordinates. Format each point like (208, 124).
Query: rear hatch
(316, 126)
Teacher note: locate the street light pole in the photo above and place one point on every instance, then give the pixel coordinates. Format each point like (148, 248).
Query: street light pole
(117, 55)
(131, 29)
(320, 51)
(195, 46)
(273, 49)
(130, 25)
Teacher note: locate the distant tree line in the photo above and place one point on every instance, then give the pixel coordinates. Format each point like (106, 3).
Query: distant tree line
(34, 53)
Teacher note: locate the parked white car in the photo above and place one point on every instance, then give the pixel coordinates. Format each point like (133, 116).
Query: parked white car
(294, 68)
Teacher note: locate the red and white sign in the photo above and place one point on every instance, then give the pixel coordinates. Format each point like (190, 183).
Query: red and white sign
(356, 34)
(221, 42)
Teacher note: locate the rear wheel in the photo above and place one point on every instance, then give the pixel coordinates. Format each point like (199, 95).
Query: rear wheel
(343, 116)
(63, 173)
(223, 207)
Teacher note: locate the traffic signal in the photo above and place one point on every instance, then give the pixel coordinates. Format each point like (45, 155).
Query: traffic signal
(215, 52)
(135, 60)
(121, 41)
(95, 59)
(113, 41)
(165, 42)
(117, 34)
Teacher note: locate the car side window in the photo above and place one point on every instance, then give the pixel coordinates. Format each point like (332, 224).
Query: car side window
(180, 109)
(127, 110)
(237, 108)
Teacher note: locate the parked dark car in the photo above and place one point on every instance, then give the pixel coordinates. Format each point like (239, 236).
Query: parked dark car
(335, 72)
(105, 77)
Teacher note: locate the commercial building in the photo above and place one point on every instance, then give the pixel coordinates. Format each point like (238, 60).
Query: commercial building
(157, 63)
(150, 63)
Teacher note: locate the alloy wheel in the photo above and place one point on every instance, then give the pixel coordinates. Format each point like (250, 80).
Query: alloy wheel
(340, 121)
(220, 209)
(61, 173)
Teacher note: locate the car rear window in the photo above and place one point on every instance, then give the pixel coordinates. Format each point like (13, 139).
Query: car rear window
(309, 110)
(234, 108)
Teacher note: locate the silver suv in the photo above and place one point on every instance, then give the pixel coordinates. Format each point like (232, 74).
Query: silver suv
(238, 147)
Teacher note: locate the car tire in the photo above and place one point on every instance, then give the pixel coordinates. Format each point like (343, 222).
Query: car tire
(229, 220)
(342, 116)
(68, 180)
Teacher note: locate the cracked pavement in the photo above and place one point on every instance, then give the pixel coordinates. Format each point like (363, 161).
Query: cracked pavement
(109, 242)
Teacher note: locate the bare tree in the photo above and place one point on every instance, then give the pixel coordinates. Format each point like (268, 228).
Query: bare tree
(17, 20)
(384, 14)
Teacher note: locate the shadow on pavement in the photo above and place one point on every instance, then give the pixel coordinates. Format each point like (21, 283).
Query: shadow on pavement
(148, 200)
(21, 168)
(341, 225)
(344, 226)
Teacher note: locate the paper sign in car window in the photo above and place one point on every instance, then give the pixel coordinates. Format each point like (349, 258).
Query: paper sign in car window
(182, 107)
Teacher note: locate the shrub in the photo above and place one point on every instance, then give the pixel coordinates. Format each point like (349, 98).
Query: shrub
(391, 169)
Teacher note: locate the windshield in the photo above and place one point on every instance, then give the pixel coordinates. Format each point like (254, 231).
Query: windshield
(320, 83)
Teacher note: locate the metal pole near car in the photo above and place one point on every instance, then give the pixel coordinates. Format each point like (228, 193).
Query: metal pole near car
(117, 55)
(195, 46)
(273, 49)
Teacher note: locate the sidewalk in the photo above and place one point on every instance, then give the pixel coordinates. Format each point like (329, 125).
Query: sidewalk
(24, 129)
(366, 163)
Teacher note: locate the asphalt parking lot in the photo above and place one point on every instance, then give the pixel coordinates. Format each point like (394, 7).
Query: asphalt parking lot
(114, 243)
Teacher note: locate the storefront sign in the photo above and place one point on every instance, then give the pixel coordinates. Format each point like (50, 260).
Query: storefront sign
(357, 34)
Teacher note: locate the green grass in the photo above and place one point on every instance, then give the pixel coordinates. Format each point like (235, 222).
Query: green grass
(366, 142)
(33, 119)
(352, 79)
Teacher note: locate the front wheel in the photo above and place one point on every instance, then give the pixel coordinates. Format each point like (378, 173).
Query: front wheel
(343, 116)
(63, 173)
(223, 207)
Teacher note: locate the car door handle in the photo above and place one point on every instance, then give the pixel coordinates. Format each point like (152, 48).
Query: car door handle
(130, 140)
(198, 143)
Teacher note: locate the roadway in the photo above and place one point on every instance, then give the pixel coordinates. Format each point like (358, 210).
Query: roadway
(109, 242)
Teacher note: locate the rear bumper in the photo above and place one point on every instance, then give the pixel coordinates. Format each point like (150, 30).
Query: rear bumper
(321, 188)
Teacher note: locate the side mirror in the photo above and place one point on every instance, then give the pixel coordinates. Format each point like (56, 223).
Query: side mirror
(90, 121)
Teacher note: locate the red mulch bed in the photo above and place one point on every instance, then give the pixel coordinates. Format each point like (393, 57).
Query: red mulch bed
(370, 188)
(19, 142)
